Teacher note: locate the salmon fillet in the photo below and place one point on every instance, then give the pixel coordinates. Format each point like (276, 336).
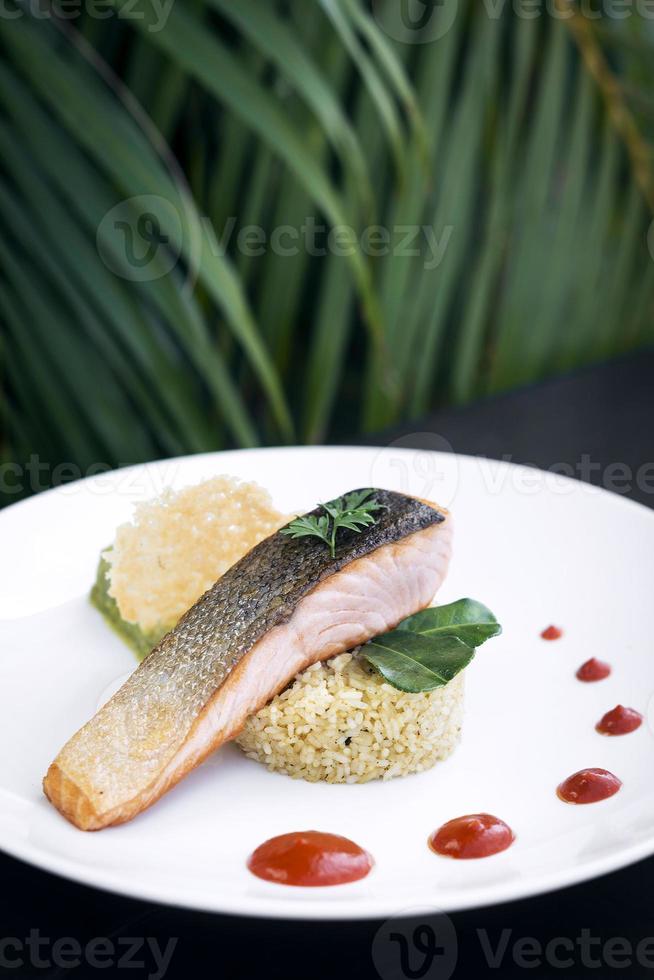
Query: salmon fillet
(285, 605)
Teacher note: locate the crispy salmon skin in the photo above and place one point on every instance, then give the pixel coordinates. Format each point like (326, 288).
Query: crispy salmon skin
(284, 606)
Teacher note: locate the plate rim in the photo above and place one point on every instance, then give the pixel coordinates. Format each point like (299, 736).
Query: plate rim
(300, 910)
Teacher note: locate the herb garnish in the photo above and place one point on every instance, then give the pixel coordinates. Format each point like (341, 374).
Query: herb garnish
(354, 511)
(430, 648)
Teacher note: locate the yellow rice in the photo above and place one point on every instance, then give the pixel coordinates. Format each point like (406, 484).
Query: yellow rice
(341, 722)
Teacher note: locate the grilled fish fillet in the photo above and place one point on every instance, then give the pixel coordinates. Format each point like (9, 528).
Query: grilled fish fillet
(284, 606)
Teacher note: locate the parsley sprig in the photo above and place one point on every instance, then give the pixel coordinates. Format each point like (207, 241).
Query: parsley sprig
(353, 511)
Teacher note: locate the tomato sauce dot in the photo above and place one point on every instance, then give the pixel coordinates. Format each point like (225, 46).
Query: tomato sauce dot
(588, 786)
(310, 859)
(552, 633)
(475, 835)
(619, 721)
(593, 670)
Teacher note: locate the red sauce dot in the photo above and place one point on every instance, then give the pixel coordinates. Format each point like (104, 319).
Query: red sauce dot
(593, 670)
(620, 721)
(588, 786)
(310, 859)
(552, 633)
(477, 835)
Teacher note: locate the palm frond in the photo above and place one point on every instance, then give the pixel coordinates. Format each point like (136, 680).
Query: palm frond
(512, 156)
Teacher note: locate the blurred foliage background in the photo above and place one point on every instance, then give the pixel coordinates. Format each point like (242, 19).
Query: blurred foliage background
(136, 143)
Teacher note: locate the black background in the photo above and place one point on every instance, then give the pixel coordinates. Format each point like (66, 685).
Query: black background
(604, 413)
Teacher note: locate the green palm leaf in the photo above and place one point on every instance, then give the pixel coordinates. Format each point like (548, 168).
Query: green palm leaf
(530, 139)
(123, 152)
(212, 64)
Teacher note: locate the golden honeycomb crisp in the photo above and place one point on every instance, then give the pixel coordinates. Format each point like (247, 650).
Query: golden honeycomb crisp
(177, 546)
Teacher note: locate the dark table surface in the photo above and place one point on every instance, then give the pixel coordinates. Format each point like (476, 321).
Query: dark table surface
(599, 423)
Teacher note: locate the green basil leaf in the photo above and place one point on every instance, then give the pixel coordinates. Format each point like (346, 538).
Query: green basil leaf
(467, 619)
(414, 662)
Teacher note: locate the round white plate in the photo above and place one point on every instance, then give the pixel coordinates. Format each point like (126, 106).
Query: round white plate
(538, 549)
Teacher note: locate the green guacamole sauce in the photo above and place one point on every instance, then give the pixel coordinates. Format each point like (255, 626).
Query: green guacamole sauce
(140, 641)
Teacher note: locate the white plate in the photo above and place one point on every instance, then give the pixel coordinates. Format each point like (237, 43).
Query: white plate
(537, 549)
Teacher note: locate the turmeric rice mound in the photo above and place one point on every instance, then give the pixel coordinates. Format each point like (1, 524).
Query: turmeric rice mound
(341, 722)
